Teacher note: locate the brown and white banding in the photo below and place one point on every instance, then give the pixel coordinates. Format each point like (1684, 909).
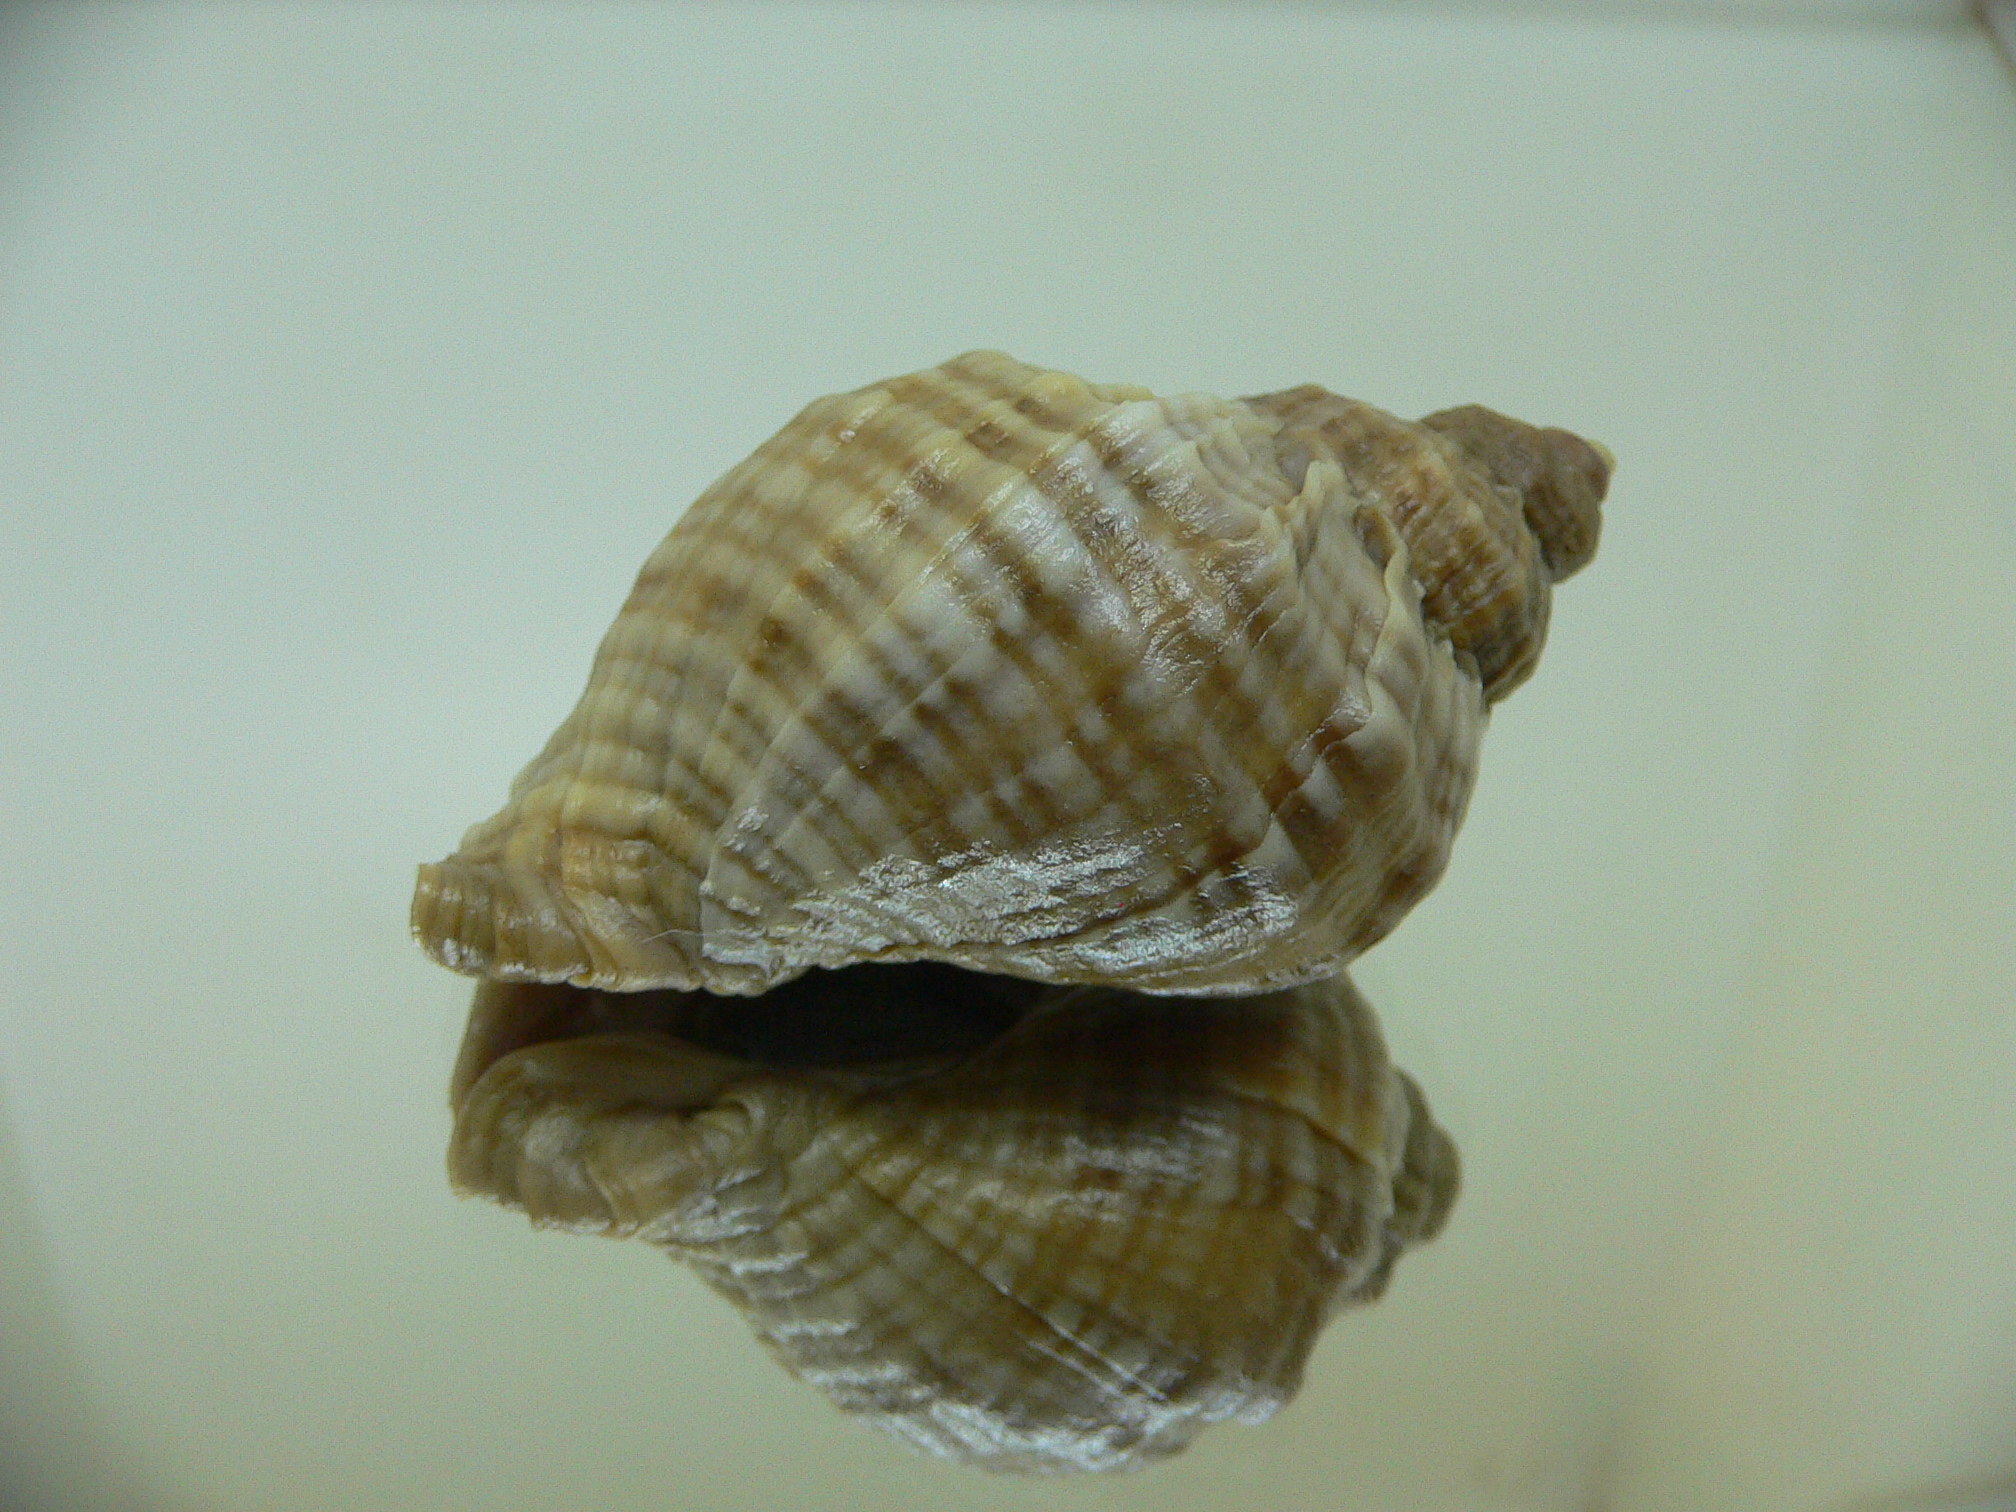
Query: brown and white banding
(1029, 1228)
(991, 666)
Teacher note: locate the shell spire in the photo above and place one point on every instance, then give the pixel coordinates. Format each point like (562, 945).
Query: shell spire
(1494, 511)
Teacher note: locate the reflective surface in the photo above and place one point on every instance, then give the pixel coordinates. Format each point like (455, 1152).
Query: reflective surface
(326, 334)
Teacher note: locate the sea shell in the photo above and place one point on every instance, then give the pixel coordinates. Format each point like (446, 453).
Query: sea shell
(1032, 1228)
(991, 666)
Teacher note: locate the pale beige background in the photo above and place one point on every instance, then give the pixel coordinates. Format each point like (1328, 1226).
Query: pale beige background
(351, 360)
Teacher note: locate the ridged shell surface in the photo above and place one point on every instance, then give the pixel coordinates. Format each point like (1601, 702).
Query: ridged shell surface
(1494, 512)
(992, 666)
(1070, 1247)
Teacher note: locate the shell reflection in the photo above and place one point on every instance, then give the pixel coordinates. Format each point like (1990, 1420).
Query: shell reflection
(1034, 1228)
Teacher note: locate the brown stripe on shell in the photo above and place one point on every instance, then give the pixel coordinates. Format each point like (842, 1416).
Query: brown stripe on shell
(920, 483)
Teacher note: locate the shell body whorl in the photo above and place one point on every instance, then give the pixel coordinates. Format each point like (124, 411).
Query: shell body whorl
(1072, 1248)
(990, 666)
